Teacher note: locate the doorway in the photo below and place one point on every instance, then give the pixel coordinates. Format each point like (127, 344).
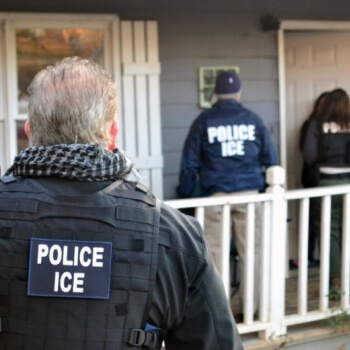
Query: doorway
(313, 57)
(315, 62)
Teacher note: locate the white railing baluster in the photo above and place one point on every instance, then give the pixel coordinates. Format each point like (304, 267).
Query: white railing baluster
(248, 300)
(265, 261)
(199, 214)
(325, 249)
(226, 246)
(303, 245)
(275, 177)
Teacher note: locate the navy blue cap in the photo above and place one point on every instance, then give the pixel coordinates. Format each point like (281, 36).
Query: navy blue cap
(227, 83)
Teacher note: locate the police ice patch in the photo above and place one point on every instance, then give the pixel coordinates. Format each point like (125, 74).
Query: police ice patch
(69, 269)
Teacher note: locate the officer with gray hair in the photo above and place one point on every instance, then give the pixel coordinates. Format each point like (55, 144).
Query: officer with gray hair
(89, 258)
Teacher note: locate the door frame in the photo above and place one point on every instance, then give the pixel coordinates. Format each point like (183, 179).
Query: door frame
(295, 25)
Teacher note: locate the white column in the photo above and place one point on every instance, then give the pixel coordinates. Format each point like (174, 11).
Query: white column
(275, 177)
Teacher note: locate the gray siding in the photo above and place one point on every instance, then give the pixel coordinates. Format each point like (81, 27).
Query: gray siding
(215, 39)
(199, 33)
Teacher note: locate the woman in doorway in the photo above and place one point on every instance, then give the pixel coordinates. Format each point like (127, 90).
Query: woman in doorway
(309, 174)
(327, 148)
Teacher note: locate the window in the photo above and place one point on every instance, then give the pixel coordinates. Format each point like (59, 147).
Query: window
(207, 78)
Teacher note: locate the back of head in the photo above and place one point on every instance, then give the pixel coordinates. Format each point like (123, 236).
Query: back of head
(321, 106)
(340, 98)
(227, 85)
(322, 103)
(339, 110)
(73, 101)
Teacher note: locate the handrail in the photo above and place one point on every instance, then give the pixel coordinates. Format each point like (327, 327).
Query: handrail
(275, 202)
(209, 201)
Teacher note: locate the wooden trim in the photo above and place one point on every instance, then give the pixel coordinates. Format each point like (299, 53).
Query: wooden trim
(129, 115)
(142, 126)
(282, 99)
(150, 162)
(126, 42)
(139, 41)
(140, 69)
(25, 16)
(152, 41)
(116, 69)
(11, 81)
(314, 25)
(155, 116)
(145, 68)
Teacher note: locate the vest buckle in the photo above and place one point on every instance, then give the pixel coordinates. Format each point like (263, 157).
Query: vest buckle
(137, 337)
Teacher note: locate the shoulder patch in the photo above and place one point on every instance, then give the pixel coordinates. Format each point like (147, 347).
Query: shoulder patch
(69, 269)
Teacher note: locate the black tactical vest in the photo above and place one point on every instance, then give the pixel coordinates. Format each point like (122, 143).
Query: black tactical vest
(334, 148)
(76, 273)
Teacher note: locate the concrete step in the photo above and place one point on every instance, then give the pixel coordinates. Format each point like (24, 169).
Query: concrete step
(303, 337)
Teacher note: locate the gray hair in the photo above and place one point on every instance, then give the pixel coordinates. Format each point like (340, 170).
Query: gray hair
(73, 101)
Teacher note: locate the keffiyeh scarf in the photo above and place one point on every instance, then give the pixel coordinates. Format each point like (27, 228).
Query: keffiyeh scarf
(75, 161)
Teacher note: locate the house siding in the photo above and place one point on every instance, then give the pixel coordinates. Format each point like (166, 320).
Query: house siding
(205, 33)
(212, 40)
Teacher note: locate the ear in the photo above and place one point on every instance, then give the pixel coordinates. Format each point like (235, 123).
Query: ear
(114, 132)
(238, 96)
(26, 129)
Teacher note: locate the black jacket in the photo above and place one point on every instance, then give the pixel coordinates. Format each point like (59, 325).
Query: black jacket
(228, 148)
(325, 144)
(189, 302)
(309, 172)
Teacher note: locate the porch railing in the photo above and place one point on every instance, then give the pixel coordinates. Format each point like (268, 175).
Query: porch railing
(273, 321)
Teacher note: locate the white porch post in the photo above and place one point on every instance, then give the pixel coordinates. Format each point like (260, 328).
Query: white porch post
(275, 177)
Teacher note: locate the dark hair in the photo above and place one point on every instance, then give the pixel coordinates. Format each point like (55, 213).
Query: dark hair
(321, 105)
(339, 108)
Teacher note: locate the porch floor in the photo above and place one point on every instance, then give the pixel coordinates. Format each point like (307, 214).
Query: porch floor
(291, 304)
(314, 330)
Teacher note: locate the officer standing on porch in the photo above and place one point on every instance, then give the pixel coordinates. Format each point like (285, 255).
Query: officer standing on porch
(228, 149)
(89, 258)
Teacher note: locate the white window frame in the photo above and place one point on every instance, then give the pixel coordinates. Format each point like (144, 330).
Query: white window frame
(8, 80)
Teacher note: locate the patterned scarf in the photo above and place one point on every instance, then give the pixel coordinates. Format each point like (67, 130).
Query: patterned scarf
(75, 161)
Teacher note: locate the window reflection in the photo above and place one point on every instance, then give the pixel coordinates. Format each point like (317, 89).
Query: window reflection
(39, 47)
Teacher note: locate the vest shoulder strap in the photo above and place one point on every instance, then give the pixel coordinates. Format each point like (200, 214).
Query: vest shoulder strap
(149, 337)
